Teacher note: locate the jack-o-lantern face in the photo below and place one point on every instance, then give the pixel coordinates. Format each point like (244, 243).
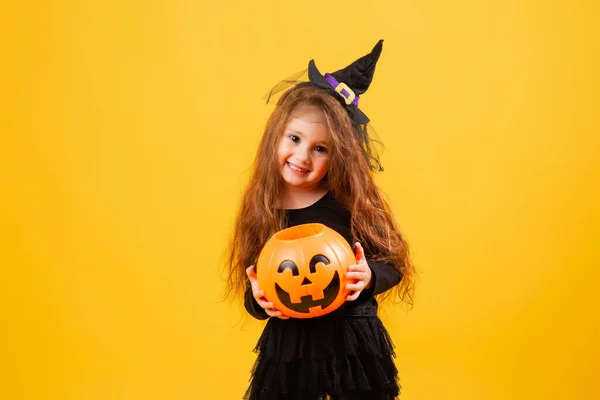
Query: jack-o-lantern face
(302, 270)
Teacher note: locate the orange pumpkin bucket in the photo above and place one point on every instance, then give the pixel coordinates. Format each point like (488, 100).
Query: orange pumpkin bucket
(302, 270)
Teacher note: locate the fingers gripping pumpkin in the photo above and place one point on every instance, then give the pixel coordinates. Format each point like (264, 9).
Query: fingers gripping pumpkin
(302, 270)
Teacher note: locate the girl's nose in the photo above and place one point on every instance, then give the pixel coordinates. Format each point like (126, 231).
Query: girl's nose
(303, 154)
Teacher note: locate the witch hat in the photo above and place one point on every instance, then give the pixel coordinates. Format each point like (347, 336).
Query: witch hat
(348, 83)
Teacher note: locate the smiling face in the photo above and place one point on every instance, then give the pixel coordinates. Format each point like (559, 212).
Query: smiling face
(303, 151)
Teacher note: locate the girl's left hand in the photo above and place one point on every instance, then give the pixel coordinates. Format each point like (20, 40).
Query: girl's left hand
(359, 272)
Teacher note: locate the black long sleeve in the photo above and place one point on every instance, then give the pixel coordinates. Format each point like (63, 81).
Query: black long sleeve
(252, 306)
(384, 277)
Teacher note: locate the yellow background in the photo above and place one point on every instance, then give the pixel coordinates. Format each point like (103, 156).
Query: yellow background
(127, 130)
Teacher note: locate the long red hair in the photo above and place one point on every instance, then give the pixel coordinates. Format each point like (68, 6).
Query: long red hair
(349, 179)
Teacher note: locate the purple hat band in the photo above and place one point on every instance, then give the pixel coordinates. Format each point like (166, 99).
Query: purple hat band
(342, 89)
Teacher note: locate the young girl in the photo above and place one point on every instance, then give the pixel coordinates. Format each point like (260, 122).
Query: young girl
(314, 164)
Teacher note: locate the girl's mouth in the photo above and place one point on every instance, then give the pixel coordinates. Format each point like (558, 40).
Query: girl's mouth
(297, 169)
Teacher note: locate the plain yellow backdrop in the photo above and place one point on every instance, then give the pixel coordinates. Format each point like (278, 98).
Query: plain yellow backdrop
(127, 131)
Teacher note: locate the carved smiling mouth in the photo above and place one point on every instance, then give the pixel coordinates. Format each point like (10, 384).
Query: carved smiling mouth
(307, 302)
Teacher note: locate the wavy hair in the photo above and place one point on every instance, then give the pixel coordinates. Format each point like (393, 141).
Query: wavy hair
(349, 179)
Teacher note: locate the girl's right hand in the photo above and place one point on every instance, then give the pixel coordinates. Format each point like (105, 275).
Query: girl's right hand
(259, 295)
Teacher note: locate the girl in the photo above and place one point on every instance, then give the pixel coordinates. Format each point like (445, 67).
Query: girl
(314, 164)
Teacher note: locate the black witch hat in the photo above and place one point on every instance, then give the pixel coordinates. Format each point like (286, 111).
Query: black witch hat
(349, 82)
(346, 85)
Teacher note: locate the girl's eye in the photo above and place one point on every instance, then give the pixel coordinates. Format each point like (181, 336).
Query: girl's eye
(321, 149)
(294, 138)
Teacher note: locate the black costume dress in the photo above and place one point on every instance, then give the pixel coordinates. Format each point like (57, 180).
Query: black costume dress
(344, 355)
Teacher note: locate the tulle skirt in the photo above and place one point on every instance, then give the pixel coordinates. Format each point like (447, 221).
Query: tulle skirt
(331, 357)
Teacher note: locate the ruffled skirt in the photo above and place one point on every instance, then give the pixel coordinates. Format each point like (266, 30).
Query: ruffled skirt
(331, 357)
